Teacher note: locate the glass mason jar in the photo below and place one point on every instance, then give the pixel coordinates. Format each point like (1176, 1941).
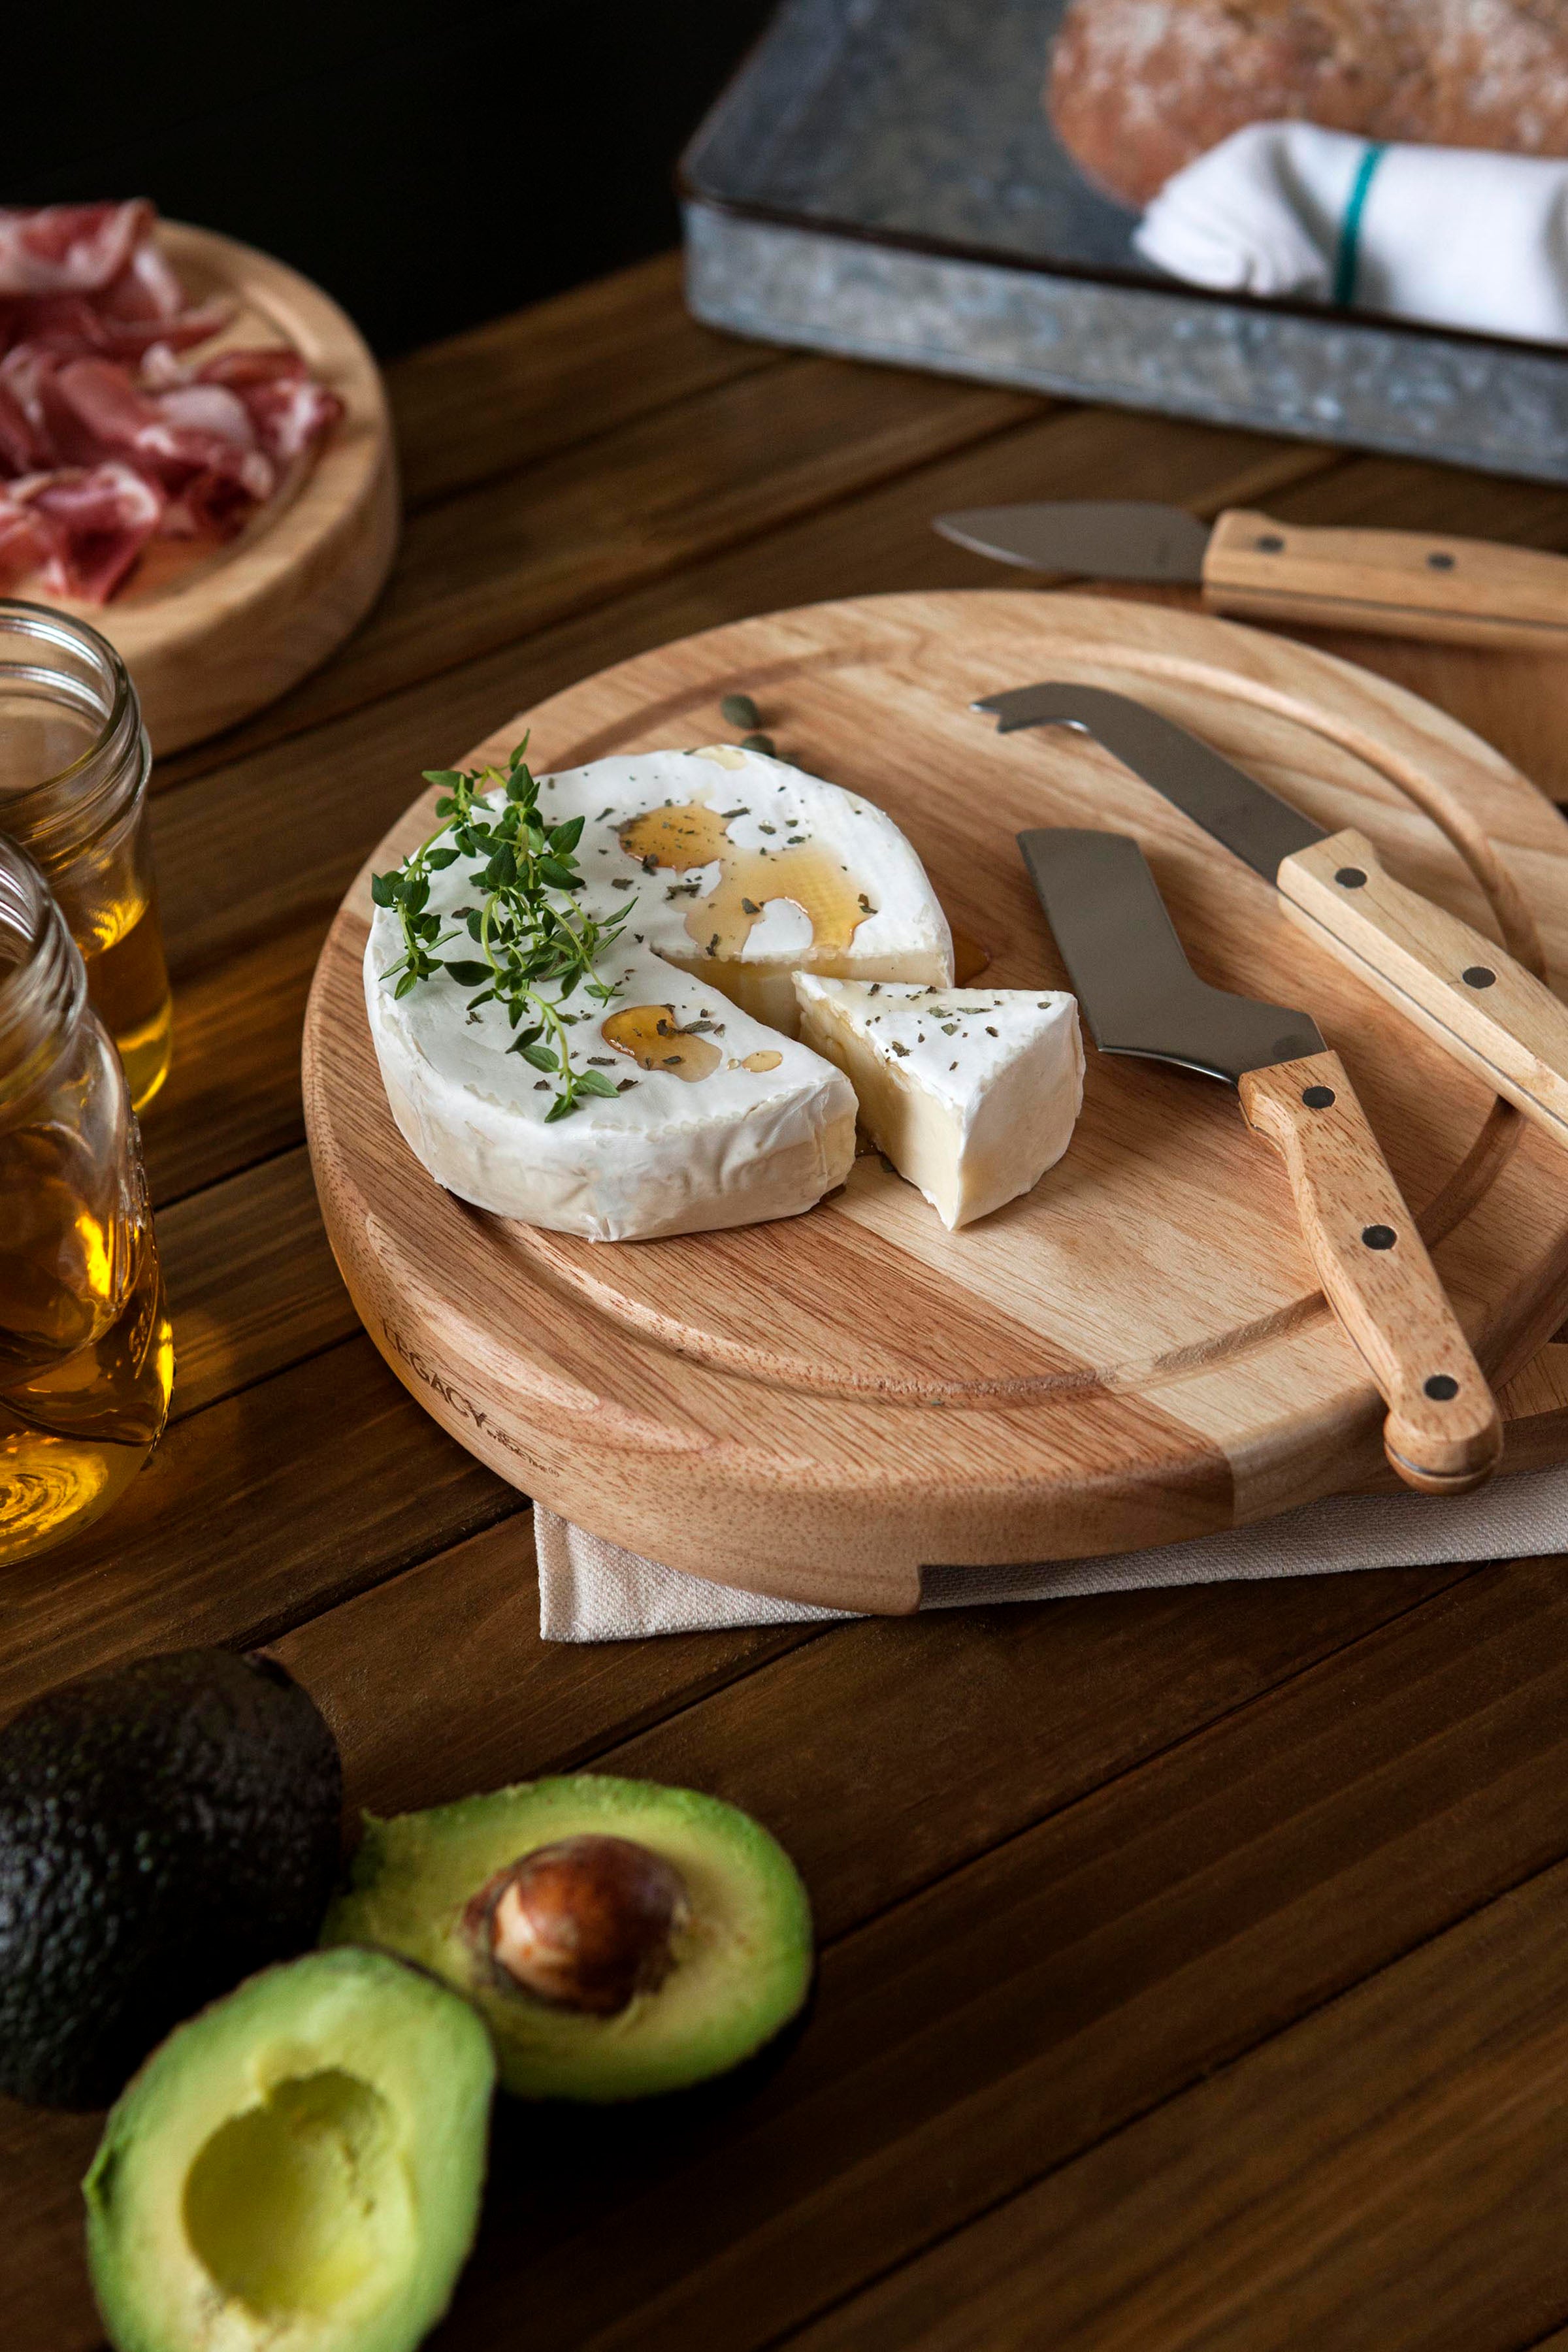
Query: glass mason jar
(86, 1355)
(73, 764)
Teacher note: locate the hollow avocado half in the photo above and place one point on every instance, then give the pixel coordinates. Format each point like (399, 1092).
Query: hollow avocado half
(718, 1903)
(299, 2166)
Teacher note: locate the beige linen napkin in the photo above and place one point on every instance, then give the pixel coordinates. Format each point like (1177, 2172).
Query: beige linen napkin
(592, 1591)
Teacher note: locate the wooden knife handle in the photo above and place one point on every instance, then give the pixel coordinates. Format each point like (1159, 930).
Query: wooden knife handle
(1442, 1433)
(1396, 583)
(1453, 981)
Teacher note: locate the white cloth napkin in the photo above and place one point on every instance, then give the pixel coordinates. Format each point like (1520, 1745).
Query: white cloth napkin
(592, 1591)
(1453, 236)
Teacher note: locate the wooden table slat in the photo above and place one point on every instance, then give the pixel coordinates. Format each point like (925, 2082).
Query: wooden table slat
(1389, 2173)
(536, 381)
(251, 1516)
(251, 1284)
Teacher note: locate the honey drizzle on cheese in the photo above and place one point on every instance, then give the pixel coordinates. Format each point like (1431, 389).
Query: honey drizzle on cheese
(692, 834)
(654, 1038)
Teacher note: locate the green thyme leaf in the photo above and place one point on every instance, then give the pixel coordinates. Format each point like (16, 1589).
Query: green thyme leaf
(533, 934)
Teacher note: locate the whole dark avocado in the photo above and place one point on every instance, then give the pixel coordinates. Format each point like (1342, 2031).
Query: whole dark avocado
(166, 1828)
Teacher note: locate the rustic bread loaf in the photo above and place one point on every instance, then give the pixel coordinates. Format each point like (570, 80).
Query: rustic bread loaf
(1138, 87)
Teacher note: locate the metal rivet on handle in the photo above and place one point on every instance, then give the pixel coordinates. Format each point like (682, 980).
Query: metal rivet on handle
(1439, 561)
(1477, 975)
(1317, 1097)
(1441, 1387)
(1350, 878)
(1269, 543)
(1378, 1236)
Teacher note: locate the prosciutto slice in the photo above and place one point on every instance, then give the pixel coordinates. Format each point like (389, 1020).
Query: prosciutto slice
(87, 525)
(108, 438)
(287, 408)
(70, 248)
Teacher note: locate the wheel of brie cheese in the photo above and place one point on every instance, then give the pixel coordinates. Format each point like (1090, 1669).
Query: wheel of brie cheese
(740, 871)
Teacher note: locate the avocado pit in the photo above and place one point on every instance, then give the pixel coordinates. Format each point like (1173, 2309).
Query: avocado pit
(586, 1923)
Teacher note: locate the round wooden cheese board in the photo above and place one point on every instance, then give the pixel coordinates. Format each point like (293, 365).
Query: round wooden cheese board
(1134, 1353)
(211, 633)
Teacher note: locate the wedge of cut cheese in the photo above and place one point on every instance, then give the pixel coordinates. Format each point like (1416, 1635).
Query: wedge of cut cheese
(739, 871)
(972, 1093)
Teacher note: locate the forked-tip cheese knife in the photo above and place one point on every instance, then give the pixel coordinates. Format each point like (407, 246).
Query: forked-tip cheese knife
(1140, 995)
(1464, 991)
(1394, 583)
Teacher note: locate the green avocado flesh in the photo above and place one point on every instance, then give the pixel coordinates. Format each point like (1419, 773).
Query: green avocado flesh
(743, 1962)
(297, 2168)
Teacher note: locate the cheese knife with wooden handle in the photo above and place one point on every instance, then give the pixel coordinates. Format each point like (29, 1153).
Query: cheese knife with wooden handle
(1463, 990)
(1140, 995)
(1394, 583)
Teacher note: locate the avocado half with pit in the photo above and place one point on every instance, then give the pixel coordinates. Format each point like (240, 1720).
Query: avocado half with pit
(620, 1939)
(299, 2166)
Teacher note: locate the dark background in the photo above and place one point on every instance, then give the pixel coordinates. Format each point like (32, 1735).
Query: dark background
(431, 163)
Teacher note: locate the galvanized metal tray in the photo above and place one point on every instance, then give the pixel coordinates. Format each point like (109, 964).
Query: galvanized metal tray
(880, 179)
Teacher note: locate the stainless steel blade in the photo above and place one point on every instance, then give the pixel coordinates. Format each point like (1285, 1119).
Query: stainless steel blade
(1129, 969)
(1235, 807)
(1109, 539)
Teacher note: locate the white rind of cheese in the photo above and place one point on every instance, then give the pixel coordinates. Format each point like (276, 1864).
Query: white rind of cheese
(972, 1093)
(667, 1155)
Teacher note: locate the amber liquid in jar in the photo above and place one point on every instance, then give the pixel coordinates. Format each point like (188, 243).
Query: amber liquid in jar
(128, 982)
(73, 775)
(86, 1352)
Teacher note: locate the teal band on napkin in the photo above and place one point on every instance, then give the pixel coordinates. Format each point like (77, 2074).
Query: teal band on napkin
(1350, 228)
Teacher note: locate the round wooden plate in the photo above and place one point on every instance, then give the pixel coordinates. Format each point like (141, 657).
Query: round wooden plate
(210, 635)
(1134, 1353)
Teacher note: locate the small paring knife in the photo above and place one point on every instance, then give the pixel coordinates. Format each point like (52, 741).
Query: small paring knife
(1140, 995)
(1394, 583)
(1464, 991)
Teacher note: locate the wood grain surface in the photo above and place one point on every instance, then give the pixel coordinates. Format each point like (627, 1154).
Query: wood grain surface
(1192, 1959)
(210, 640)
(1138, 1351)
(1409, 583)
(1443, 1433)
(1500, 1018)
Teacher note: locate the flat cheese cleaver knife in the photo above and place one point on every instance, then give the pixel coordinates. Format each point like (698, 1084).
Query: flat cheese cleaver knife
(1140, 995)
(1394, 583)
(1459, 987)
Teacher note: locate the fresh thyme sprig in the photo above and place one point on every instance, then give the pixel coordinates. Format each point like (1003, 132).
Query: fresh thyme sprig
(531, 934)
